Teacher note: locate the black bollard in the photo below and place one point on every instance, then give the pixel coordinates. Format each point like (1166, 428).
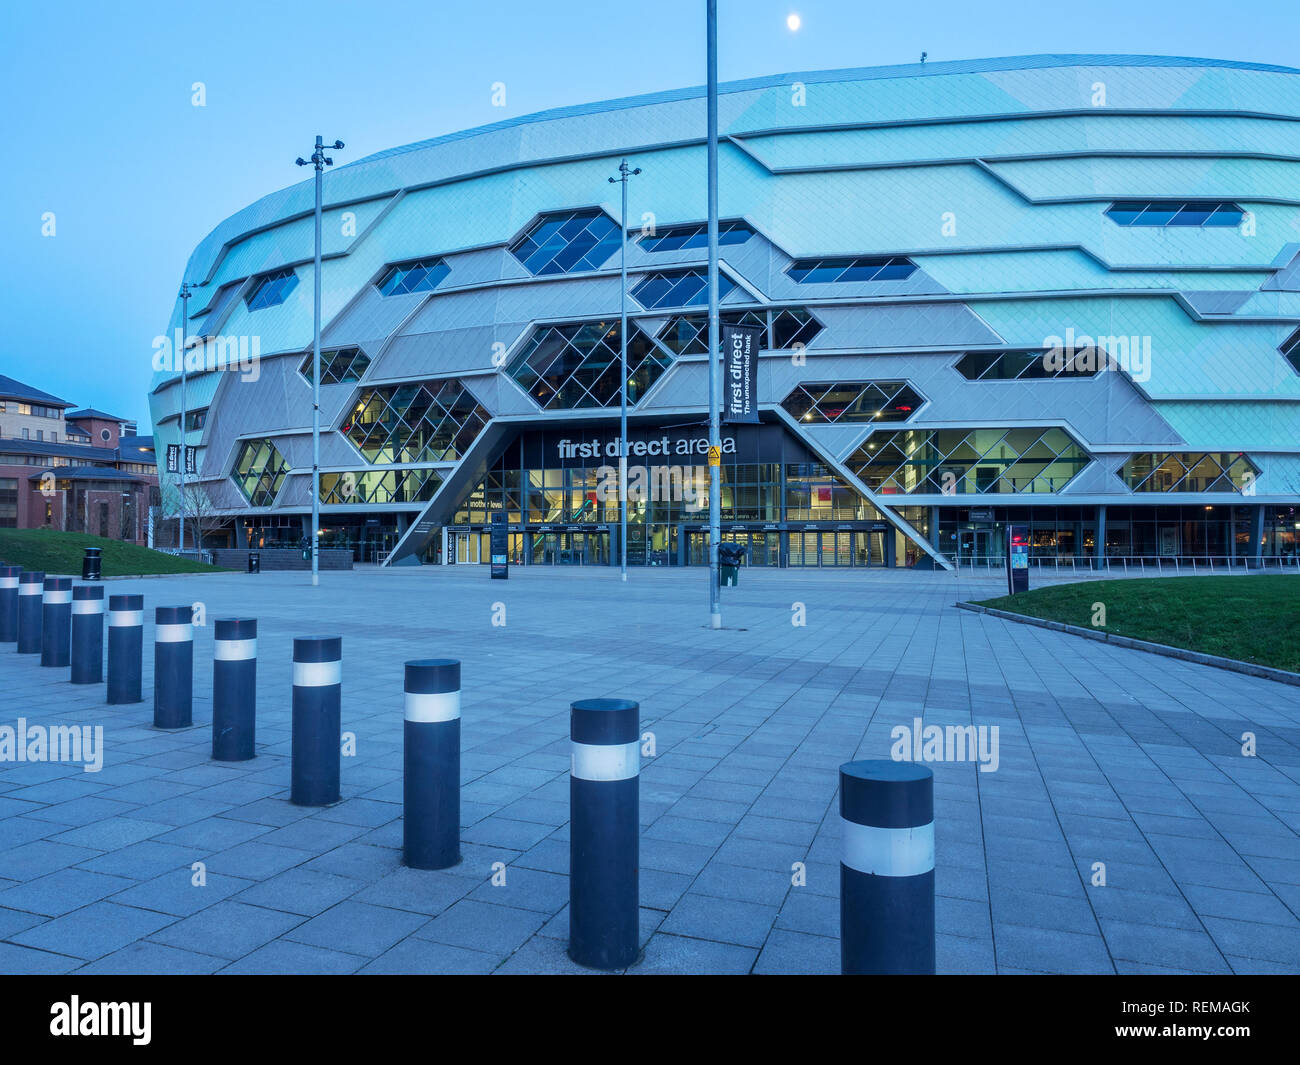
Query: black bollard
(87, 634)
(317, 720)
(604, 832)
(886, 868)
(92, 564)
(9, 603)
(56, 622)
(125, 648)
(173, 667)
(234, 689)
(431, 764)
(29, 612)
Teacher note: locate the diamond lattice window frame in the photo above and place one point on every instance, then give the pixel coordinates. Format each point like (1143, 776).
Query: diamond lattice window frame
(417, 421)
(677, 287)
(1290, 349)
(259, 471)
(270, 289)
(339, 366)
(693, 236)
(1175, 214)
(952, 467)
(412, 276)
(575, 365)
(1027, 362)
(378, 486)
(852, 402)
(566, 242)
(1162, 472)
(783, 329)
(845, 269)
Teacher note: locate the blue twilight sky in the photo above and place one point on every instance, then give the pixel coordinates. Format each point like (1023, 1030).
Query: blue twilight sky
(98, 126)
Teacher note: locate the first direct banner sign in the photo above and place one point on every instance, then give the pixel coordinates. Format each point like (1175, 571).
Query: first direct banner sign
(740, 372)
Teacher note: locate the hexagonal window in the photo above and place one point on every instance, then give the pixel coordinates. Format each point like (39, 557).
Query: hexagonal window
(853, 401)
(259, 471)
(577, 365)
(567, 242)
(968, 461)
(419, 421)
(338, 366)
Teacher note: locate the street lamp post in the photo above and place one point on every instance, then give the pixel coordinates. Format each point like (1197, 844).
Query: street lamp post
(186, 292)
(715, 435)
(320, 161)
(623, 174)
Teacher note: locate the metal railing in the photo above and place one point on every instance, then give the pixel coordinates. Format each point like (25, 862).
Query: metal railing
(1137, 565)
(204, 555)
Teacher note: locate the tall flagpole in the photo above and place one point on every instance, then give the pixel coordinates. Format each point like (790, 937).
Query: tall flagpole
(320, 161)
(715, 435)
(623, 174)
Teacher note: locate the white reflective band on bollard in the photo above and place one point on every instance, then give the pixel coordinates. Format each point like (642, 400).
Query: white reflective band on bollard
(888, 851)
(432, 706)
(317, 674)
(173, 633)
(234, 650)
(58, 597)
(605, 761)
(8, 582)
(125, 619)
(88, 606)
(29, 589)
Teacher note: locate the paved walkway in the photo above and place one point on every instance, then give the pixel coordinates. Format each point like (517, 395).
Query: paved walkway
(1106, 755)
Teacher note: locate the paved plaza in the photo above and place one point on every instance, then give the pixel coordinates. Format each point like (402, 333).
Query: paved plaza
(1106, 755)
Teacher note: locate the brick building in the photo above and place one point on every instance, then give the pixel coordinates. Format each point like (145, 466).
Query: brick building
(76, 470)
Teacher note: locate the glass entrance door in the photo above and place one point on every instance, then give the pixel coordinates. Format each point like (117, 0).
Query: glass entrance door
(569, 549)
(697, 549)
(467, 547)
(838, 548)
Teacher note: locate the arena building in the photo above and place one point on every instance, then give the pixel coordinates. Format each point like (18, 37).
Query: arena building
(1063, 290)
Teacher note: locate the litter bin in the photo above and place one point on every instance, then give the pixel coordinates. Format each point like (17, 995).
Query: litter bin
(254, 562)
(92, 564)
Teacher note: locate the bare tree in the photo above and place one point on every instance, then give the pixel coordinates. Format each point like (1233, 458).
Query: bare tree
(201, 514)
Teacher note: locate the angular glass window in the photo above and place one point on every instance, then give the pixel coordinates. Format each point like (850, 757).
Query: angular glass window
(1031, 365)
(688, 334)
(338, 366)
(379, 486)
(259, 471)
(419, 275)
(1291, 350)
(678, 288)
(270, 289)
(420, 421)
(793, 326)
(692, 237)
(577, 365)
(567, 242)
(968, 461)
(860, 268)
(853, 401)
(1189, 471)
(1196, 213)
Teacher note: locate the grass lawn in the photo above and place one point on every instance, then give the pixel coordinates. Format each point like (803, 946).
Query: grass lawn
(62, 552)
(1249, 618)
